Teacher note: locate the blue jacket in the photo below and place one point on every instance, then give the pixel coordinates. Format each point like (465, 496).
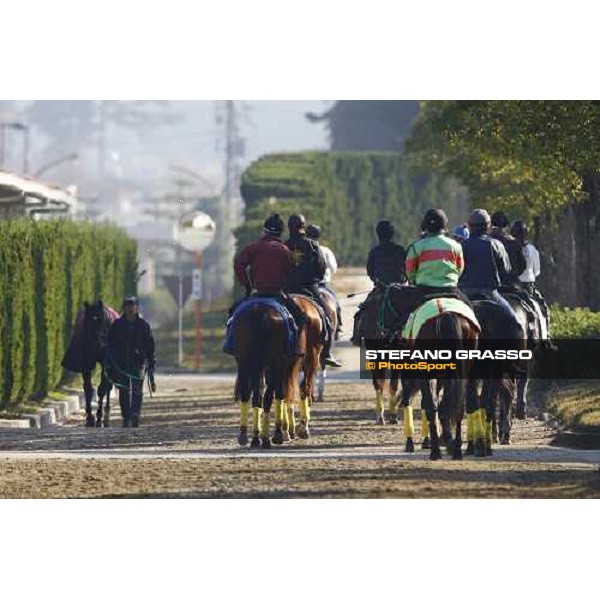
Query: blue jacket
(486, 263)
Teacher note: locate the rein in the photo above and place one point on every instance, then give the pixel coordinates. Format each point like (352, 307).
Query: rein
(386, 304)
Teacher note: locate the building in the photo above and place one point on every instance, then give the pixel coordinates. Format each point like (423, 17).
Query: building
(22, 196)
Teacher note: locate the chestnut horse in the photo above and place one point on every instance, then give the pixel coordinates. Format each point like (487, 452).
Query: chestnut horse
(331, 304)
(307, 365)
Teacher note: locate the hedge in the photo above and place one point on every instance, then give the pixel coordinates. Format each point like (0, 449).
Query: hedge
(47, 270)
(346, 193)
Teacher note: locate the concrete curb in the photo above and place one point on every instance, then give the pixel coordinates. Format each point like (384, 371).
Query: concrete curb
(55, 412)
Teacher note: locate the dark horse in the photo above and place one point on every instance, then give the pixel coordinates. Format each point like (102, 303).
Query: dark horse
(457, 333)
(87, 349)
(495, 392)
(260, 350)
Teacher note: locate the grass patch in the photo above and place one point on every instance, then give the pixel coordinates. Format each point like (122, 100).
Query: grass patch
(577, 405)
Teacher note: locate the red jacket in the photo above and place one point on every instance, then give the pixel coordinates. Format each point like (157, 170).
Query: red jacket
(270, 261)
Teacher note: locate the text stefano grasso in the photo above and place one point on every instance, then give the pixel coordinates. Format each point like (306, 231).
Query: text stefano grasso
(443, 355)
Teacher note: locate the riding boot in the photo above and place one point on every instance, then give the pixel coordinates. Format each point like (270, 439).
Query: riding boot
(357, 329)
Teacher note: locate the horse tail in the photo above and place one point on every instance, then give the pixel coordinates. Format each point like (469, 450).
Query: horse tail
(449, 328)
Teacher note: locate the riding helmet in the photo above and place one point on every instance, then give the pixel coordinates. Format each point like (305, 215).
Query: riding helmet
(313, 232)
(435, 220)
(296, 222)
(479, 217)
(499, 219)
(519, 229)
(274, 225)
(461, 232)
(385, 230)
(131, 300)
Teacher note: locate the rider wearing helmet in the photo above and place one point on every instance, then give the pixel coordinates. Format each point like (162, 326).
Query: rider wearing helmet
(460, 233)
(512, 246)
(385, 264)
(532, 268)
(264, 266)
(313, 232)
(434, 262)
(308, 269)
(487, 267)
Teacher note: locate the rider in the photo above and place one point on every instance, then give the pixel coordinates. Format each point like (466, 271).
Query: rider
(308, 269)
(487, 267)
(532, 269)
(434, 262)
(265, 265)
(461, 232)
(512, 246)
(385, 264)
(313, 232)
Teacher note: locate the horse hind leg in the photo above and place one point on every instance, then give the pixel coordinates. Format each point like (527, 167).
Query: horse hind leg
(89, 392)
(393, 399)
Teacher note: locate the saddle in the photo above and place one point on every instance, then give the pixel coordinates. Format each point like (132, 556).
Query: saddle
(238, 309)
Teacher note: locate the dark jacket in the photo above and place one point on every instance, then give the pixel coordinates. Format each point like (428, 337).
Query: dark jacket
(514, 249)
(486, 263)
(270, 262)
(308, 265)
(130, 345)
(386, 263)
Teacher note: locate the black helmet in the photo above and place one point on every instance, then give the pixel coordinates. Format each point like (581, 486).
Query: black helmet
(313, 232)
(131, 300)
(479, 218)
(274, 225)
(519, 229)
(296, 222)
(385, 230)
(434, 221)
(499, 219)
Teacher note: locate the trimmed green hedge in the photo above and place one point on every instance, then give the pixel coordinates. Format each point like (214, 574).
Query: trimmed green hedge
(47, 271)
(574, 322)
(346, 193)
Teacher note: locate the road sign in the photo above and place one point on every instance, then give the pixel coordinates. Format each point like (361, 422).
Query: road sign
(172, 283)
(197, 284)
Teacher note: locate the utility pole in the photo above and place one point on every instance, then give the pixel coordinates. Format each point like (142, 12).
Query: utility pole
(228, 114)
(101, 147)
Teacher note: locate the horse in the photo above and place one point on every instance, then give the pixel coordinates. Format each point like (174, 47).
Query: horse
(457, 333)
(306, 364)
(331, 304)
(498, 392)
(261, 353)
(87, 349)
(382, 322)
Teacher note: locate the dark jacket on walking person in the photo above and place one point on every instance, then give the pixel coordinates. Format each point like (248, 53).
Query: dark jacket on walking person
(131, 351)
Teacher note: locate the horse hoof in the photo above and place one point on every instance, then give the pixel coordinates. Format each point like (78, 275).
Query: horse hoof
(470, 450)
(98, 422)
(90, 421)
(303, 433)
(286, 436)
(243, 438)
(457, 454)
(292, 434)
(266, 443)
(505, 441)
(426, 444)
(106, 422)
(410, 445)
(393, 420)
(278, 437)
(436, 454)
(379, 421)
(521, 412)
(488, 450)
(255, 442)
(479, 449)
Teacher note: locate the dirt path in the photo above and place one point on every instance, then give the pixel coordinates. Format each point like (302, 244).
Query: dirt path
(187, 447)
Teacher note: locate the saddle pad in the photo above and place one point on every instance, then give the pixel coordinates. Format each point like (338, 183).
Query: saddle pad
(292, 330)
(434, 308)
